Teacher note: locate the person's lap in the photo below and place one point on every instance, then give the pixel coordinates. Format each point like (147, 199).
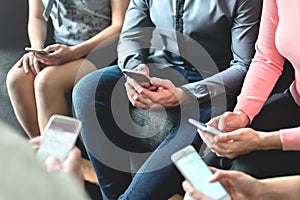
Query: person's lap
(280, 111)
(108, 81)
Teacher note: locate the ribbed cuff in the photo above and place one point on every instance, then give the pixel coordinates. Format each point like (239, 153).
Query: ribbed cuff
(290, 139)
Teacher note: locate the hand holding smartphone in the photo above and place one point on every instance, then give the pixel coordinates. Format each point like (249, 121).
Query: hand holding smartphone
(204, 127)
(61, 134)
(194, 169)
(40, 51)
(138, 76)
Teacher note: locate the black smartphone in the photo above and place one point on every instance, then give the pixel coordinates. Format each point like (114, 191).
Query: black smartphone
(138, 76)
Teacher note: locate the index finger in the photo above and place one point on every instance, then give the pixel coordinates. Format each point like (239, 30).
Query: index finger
(228, 136)
(73, 159)
(135, 85)
(36, 65)
(35, 142)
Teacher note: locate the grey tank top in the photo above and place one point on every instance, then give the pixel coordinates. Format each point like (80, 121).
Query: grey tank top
(75, 21)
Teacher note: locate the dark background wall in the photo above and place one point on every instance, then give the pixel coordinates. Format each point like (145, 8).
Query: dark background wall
(13, 22)
(13, 38)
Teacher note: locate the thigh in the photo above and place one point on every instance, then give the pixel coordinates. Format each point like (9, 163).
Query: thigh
(66, 75)
(112, 110)
(272, 163)
(16, 77)
(280, 111)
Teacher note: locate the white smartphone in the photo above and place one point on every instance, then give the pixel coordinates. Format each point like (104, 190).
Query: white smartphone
(40, 51)
(138, 76)
(60, 136)
(195, 170)
(204, 127)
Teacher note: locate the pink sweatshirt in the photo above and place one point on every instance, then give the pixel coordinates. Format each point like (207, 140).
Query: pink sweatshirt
(279, 38)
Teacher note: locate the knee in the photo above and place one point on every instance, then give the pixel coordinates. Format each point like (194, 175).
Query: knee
(94, 86)
(15, 79)
(45, 84)
(83, 92)
(41, 84)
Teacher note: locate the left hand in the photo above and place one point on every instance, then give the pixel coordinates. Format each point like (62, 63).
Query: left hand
(233, 144)
(166, 95)
(58, 54)
(35, 142)
(193, 192)
(70, 166)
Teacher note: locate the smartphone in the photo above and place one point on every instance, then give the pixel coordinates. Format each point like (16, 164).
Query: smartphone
(195, 170)
(204, 127)
(138, 76)
(60, 136)
(40, 51)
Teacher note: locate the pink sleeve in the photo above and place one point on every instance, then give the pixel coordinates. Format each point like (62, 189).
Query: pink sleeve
(266, 65)
(290, 139)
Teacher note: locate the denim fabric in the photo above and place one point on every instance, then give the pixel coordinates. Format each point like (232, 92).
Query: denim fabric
(99, 99)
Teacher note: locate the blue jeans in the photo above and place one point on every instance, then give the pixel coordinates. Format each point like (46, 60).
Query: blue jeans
(99, 102)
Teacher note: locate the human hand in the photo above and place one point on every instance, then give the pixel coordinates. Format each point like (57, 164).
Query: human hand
(58, 54)
(239, 185)
(193, 192)
(166, 95)
(70, 166)
(133, 87)
(30, 63)
(35, 142)
(233, 144)
(230, 121)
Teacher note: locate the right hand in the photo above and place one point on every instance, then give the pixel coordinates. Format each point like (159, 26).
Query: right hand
(30, 63)
(230, 121)
(58, 54)
(70, 166)
(238, 184)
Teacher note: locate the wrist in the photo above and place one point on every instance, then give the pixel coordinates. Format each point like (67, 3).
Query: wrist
(245, 120)
(76, 52)
(264, 191)
(183, 97)
(270, 140)
(269, 190)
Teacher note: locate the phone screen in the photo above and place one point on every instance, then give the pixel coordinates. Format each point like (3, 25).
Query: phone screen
(195, 170)
(204, 127)
(137, 76)
(60, 137)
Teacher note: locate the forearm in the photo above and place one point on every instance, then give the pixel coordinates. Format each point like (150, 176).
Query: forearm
(102, 39)
(270, 140)
(281, 188)
(228, 81)
(37, 32)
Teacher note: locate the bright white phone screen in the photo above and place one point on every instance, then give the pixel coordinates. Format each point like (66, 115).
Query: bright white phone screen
(59, 139)
(197, 173)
